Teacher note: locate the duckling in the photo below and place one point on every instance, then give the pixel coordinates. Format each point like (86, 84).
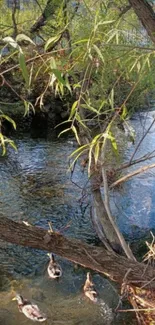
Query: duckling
(29, 310)
(89, 289)
(54, 269)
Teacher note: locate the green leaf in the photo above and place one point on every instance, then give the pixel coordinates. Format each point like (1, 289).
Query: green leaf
(23, 37)
(113, 34)
(81, 149)
(113, 141)
(28, 106)
(106, 22)
(98, 52)
(24, 68)
(95, 139)
(111, 98)
(68, 84)
(2, 142)
(76, 158)
(9, 119)
(90, 108)
(124, 112)
(57, 74)
(64, 122)
(78, 118)
(53, 64)
(81, 41)
(64, 131)
(96, 152)
(12, 144)
(11, 42)
(73, 109)
(51, 41)
(90, 159)
(76, 134)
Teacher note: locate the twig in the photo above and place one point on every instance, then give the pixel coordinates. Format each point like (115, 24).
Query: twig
(128, 176)
(135, 309)
(148, 156)
(141, 140)
(14, 9)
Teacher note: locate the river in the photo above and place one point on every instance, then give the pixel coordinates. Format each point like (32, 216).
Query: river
(36, 186)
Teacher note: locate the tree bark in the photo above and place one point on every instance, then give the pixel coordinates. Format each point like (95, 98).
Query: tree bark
(146, 15)
(99, 259)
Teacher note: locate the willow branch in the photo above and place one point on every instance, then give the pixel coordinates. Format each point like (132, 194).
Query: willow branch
(123, 243)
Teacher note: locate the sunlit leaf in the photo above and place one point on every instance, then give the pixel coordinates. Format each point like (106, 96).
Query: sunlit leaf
(12, 144)
(57, 73)
(68, 84)
(53, 64)
(124, 112)
(98, 52)
(90, 108)
(76, 134)
(81, 41)
(23, 37)
(111, 98)
(28, 106)
(9, 119)
(113, 142)
(51, 41)
(80, 149)
(96, 152)
(73, 109)
(90, 159)
(11, 42)
(64, 131)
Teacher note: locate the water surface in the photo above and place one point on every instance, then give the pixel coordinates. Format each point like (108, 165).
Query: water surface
(35, 186)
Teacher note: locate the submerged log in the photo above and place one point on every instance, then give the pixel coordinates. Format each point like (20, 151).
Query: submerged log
(96, 258)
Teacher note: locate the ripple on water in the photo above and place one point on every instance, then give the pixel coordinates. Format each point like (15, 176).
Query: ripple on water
(35, 186)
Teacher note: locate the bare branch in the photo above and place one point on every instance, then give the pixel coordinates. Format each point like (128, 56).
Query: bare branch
(141, 140)
(124, 245)
(128, 176)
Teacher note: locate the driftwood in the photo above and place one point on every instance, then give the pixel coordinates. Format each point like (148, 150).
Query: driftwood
(99, 259)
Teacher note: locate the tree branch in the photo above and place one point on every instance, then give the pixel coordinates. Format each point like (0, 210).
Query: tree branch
(146, 15)
(93, 257)
(128, 176)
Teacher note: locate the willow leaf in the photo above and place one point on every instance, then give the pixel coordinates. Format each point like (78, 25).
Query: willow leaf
(76, 134)
(98, 52)
(80, 149)
(64, 131)
(51, 41)
(57, 73)
(9, 119)
(73, 109)
(96, 152)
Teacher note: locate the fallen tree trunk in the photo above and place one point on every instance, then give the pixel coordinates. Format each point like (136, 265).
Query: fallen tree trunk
(99, 259)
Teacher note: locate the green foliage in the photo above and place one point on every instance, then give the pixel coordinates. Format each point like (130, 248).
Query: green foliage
(4, 141)
(94, 45)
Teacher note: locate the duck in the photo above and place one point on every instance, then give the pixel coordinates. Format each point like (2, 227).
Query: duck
(54, 269)
(89, 288)
(30, 310)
